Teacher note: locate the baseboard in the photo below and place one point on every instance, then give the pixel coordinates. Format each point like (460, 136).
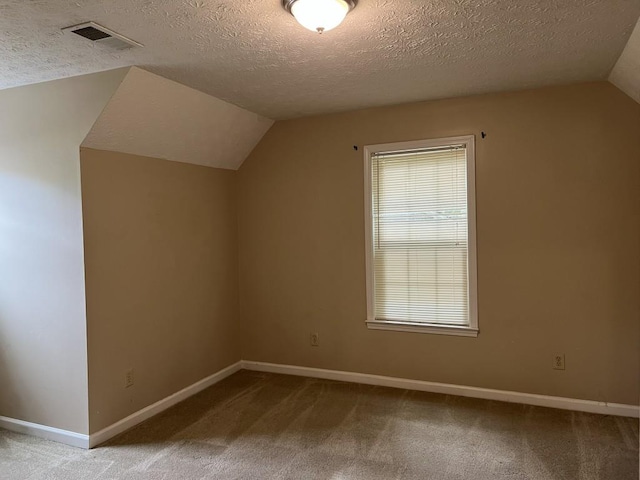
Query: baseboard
(43, 431)
(161, 405)
(89, 441)
(564, 403)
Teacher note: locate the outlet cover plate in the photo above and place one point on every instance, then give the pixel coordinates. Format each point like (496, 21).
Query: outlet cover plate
(558, 361)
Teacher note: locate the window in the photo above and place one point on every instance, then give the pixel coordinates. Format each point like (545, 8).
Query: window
(420, 230)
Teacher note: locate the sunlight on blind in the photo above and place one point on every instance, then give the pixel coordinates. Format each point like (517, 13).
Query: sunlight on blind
(420, 236)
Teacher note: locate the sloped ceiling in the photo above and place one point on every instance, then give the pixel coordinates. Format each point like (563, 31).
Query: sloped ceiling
(253, 54)
(155, 117)
(626, 74)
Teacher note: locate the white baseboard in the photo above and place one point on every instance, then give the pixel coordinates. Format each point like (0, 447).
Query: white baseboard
(89, 441)
(43, 431)
(564, 403)
(161, 405)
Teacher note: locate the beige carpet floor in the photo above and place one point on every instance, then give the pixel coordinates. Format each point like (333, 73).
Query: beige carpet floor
(263, 426)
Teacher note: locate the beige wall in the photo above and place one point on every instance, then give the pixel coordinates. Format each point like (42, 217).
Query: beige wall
(558, 235)
(43, 347)
(161, 278)
(558, 212)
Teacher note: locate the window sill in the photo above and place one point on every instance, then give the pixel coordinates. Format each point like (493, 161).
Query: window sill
(422, 328)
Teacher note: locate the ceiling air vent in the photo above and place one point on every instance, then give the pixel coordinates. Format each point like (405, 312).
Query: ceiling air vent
(102, 35)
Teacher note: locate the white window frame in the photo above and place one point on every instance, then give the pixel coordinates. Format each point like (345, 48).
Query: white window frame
(468, 331)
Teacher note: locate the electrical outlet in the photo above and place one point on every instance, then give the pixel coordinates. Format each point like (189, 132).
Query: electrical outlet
(315, 339)
(558, 361)
(128, 378)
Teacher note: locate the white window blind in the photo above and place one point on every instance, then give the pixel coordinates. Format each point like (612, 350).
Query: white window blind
(420, 235)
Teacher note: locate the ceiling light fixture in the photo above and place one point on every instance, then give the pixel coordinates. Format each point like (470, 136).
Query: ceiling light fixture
(319, 15)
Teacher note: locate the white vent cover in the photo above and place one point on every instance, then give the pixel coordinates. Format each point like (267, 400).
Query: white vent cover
(102, 35)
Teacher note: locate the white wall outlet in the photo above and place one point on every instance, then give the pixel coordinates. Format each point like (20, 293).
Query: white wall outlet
(558, 361)
(128, 378)
(315, 339)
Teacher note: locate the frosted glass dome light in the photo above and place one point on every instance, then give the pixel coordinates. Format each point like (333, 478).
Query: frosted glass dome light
(319, 15)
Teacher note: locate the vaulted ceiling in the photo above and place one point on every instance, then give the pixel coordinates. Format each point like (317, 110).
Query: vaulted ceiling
(155, 117)
(626, 73)
(253, 54)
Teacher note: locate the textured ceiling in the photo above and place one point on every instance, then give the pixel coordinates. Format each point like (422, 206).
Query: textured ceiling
(626, 74)
(253, 54)
(155, 117)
